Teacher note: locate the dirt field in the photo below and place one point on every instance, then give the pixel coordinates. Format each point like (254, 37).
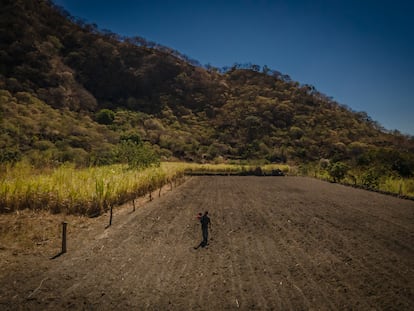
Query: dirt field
(277, 243)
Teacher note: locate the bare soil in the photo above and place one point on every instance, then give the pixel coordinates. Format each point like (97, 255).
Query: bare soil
(277, 243)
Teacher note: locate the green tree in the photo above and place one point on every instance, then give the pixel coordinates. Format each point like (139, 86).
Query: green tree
(137, 155)
(338, 171)
(133, 137)
(105, 116)
(371, 178)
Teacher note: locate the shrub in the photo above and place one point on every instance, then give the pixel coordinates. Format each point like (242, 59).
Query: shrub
(133, 137)
(337, 171)
(371, 178)
(137, 156)
(10, 155)
(43, 145)
(295, 132)
(105, 116)
(258, 171)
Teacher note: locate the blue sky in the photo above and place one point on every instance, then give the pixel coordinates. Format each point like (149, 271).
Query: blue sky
(359, 52)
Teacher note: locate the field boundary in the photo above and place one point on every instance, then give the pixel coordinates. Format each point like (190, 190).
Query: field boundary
(362, 187)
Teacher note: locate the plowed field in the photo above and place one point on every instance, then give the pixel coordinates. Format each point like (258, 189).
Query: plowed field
(277, 243)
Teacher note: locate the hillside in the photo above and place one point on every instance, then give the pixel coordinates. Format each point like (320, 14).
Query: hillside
(70, 92)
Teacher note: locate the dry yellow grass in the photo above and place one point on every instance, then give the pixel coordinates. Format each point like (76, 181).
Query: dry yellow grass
(91, 191)
(79, 191)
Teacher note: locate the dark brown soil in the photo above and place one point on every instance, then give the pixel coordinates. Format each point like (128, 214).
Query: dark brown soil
(277, 243)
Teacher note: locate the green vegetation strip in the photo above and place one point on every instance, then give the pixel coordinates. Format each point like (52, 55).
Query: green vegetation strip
(381, 181)
(237, 170)
(79, 191)
(93, 190)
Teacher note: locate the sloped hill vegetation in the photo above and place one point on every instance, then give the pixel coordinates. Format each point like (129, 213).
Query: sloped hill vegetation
(72, 92)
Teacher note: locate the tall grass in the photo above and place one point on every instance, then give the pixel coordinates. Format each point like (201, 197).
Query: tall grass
(229, 169)
(91, 191)
(79, 191)
(403, 187)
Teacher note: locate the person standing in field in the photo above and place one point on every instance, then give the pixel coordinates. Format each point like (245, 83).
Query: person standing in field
(205, 225)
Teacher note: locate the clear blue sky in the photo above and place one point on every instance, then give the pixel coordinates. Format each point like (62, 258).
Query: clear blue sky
(360, 52)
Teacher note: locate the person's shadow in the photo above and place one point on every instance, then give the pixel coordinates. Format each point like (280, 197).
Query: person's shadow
(202, 244)
(57, 255)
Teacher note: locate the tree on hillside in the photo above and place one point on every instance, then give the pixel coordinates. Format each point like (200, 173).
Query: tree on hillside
(105, 116)
(135, 153)
(338, 171)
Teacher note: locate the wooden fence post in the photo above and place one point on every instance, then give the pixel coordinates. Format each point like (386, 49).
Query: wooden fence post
(64, 225)
(110, 216)
(133, 204)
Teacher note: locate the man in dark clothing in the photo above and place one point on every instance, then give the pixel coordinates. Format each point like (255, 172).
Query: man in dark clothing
(205, 224)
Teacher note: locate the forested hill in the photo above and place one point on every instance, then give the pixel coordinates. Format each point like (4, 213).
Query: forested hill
(72, 92)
